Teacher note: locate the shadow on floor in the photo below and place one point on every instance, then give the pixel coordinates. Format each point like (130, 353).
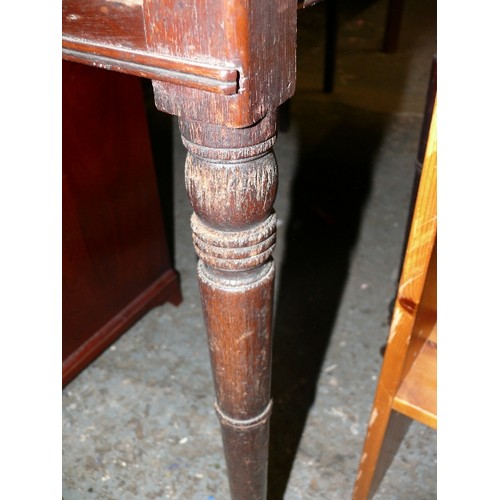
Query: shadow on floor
(331, 186)
(338, 148)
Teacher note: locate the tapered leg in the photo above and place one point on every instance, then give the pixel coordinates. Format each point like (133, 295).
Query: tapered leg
(231, 180)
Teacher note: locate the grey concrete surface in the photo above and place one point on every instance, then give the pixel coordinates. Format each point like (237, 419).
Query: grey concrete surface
(139, 422)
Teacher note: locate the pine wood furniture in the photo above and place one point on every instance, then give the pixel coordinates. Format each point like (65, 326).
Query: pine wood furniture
(223, 67)
(116, 263)
(408, 377)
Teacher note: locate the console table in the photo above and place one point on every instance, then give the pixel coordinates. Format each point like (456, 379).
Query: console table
(223, 67)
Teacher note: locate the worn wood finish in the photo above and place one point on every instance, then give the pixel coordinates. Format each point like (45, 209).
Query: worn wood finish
(191, 51)
(231, 180)
(412, 328)
(223, 67)
(218, 80)
(116, 263)
(257, 38)
(102, 22)
(111, 35)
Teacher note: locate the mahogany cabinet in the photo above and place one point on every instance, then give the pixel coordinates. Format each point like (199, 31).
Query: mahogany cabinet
(116, 263)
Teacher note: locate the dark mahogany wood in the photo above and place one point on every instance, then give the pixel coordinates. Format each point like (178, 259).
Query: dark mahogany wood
(257, 38)
(110, 35)
(223, 67)
(231, 179)
(198, 76)
(116, 263)
(248, 53)
(101, 22)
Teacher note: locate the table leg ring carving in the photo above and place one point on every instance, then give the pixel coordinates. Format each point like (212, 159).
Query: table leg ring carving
(234, 250)
(231, 180)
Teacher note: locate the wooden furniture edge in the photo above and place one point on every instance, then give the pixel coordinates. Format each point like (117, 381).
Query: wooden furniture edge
(211, 78)
(164, 289)
(421, 358)
(417, 260)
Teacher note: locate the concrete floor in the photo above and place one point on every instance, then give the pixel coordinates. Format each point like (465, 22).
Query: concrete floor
(139, 422)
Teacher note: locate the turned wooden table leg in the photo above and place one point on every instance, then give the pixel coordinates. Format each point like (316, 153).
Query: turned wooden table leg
(231, 180)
